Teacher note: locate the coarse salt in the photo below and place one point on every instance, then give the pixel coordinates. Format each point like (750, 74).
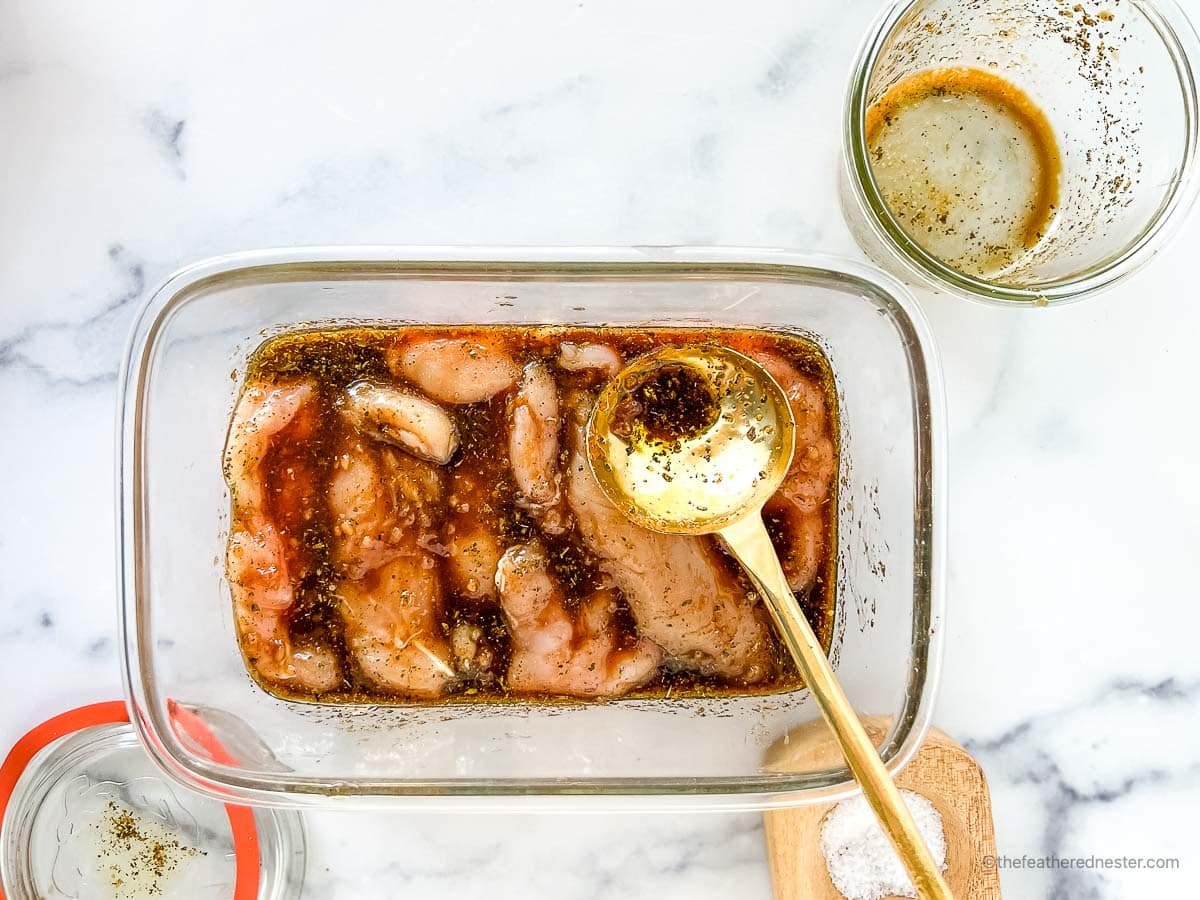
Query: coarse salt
(859, 856)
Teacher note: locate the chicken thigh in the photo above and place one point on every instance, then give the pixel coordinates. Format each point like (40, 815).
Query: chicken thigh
(403, 419)
(599, 358)
(386, 506)
(471, 536)
(556, 652)
(533, 448)
(453, 370)
(274, 493)
(797, 507)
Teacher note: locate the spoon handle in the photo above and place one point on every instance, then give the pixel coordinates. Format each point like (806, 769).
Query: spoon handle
(748, 540)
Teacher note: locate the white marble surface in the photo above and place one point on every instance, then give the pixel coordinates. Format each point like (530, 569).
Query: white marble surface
(138, 137)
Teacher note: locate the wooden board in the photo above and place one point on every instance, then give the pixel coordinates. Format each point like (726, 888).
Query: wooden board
(941, 771)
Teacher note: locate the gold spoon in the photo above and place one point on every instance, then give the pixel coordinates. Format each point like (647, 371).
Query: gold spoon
(695, 440)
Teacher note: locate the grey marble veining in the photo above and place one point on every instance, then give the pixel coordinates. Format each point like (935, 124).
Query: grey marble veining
(140, 138)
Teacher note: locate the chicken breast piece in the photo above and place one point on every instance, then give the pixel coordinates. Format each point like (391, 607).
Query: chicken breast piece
(682, 596)
(455, 370)
(533, 448)
(393, 630)
(471, 536)
(800, 543)
(273, 494)
(799, 503)
(813, 464)
(384, 502)
(555, 652)
(262, 412)
(584, 357)
(260, 579)
(386, 508)
(403, 419)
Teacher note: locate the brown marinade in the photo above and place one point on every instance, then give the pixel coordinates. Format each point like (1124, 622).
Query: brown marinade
(671, 404)
(334, 358)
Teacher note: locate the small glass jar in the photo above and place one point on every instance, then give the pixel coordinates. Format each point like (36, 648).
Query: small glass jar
(1114, 78)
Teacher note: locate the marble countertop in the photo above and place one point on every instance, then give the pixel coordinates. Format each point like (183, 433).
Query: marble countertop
(141, 137)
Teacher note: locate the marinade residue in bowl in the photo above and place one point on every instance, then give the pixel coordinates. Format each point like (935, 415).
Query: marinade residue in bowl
(381, 477)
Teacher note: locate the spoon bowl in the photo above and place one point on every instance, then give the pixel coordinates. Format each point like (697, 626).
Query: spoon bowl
(727, 447)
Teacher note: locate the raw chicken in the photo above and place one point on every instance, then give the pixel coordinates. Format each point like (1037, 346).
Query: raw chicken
(274, 493)
(682, 595)
(533, 448)
(261, 414)
(474, 657)
(556, 652)
(386, 507)
(378, 476)
(382, 501)
(406, 420)
(471, 536)
(581, 357)
(453, 370)
(798, 503)
(813, 465)
(800, 542)
(392, 627)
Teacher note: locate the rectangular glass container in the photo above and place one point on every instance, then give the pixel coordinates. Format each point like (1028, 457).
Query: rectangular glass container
(184, 365)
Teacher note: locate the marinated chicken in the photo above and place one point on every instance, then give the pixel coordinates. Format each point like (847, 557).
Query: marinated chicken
(533, 448)
(413, 519)
(455, 371)
(272, 497)
(472, 536)
(798, 506)
(555, 652)
(386, 509)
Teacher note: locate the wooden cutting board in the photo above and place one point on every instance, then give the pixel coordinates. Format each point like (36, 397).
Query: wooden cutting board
(942, 771)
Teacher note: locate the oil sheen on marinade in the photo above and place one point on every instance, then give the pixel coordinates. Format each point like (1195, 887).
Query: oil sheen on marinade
(468, 648)
(968, 164)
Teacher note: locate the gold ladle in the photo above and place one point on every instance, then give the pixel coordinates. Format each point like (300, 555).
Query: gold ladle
(695, 440)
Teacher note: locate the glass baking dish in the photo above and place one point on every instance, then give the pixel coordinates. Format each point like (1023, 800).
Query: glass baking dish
(187, 354)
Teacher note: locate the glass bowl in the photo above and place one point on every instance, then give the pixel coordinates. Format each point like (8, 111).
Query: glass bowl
(181, 376)
(1115, 81)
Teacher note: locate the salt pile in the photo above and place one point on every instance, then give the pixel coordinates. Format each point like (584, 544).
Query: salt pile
(860, 858)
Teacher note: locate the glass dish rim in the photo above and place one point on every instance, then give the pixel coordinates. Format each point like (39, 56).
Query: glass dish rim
(781, 789)
(1178, 37)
